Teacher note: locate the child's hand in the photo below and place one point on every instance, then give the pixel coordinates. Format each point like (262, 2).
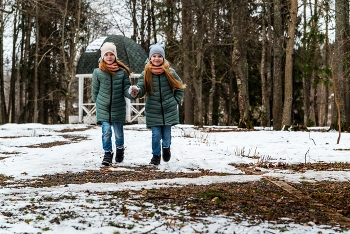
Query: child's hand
(133, 91)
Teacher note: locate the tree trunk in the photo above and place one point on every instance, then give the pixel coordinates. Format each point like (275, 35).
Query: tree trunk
(153, 19)
(268, 65)
(264, 100)
(212, 68)
(277, 67)
(143, 26)
(199, 67)
(71, 60)
(313, 64)
(347, 81)
(147, 42)
(186, 48)
(312, 107)
(3, 109)
(134, 35)
(26, 36)
(322, 104)
(306, 82)
(288, 70)
(338, 116)
(265, 67)
(212, 89)
(12, 96)
(239, 61)
(36, 64)
(329, 102)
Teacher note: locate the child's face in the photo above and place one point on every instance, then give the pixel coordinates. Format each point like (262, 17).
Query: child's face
(109, 58)
(157, 59)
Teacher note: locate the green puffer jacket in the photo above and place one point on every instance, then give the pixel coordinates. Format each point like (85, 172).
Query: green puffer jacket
(161, 107)
(109, 92)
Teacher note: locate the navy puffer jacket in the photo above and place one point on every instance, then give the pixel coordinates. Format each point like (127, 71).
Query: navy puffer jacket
(161, 106)
(109, 92)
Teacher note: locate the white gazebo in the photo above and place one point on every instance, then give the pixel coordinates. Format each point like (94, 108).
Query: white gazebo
(87, 110)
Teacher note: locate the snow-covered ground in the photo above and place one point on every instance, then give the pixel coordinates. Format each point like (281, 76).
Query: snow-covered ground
(191, 150)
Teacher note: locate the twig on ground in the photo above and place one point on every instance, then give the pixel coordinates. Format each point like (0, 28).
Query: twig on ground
(311, 138)
(154, 228)
(306, 154)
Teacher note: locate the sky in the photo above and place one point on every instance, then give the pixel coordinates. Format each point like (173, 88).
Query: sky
(192, 150)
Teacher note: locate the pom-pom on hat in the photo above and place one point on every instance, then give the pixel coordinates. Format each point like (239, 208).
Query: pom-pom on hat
(108, 47)
(157, 49)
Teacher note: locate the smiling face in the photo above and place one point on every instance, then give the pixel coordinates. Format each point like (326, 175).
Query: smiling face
(109, 58)
(157, 59)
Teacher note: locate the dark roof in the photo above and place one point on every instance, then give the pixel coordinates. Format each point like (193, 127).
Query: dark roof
(128, 51)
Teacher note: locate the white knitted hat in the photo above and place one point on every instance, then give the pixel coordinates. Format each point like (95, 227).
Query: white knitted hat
(108, 47)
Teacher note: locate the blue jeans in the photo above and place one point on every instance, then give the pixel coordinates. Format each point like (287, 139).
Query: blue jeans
(107, 135)
(160, 133)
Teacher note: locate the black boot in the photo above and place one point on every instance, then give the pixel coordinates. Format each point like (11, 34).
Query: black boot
(155, 160)
(166, 154)
(107, 159)
(119, 155)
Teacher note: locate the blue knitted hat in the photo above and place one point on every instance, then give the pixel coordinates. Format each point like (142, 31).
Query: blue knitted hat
(157, 49)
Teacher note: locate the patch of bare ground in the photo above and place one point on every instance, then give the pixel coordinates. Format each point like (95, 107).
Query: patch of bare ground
(107, 175)
(294, 128)
(70, 139)
(259, 200)
(301, 167)
(75, 129)
(326, 202)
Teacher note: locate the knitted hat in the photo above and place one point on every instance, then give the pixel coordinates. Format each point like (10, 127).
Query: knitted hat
(157, 49)
(108, 47)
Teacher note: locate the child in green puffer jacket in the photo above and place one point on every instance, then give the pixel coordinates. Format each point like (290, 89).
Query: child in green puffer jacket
(110, 85)
(163, 90)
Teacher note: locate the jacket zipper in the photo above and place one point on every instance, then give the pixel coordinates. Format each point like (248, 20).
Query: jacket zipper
(110, 100)
(161, 100)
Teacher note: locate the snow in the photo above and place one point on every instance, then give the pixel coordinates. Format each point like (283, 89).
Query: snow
(95, 45)
(192, 150)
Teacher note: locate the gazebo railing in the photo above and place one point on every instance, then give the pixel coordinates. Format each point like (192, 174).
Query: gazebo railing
(87, 110)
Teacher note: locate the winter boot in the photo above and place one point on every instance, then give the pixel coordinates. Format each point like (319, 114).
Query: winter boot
(107, 159)
(166, 154)
(119, 155)
(155, 160)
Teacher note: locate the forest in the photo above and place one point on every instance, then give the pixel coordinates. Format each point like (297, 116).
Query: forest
(270, 63)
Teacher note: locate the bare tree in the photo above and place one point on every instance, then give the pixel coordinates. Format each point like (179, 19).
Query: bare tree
(14, 69)
(265, 65)
(4, 115)
(36, 64)
(186, 47)
(338, 116)
(70, 39)
(288, 71)
(277, 66)
(239, 60)
(199, 66)
(26, 27)
(212, 62)
(134, 35)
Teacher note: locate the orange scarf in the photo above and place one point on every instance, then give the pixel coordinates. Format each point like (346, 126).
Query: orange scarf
(112, 67)
(157, 70)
